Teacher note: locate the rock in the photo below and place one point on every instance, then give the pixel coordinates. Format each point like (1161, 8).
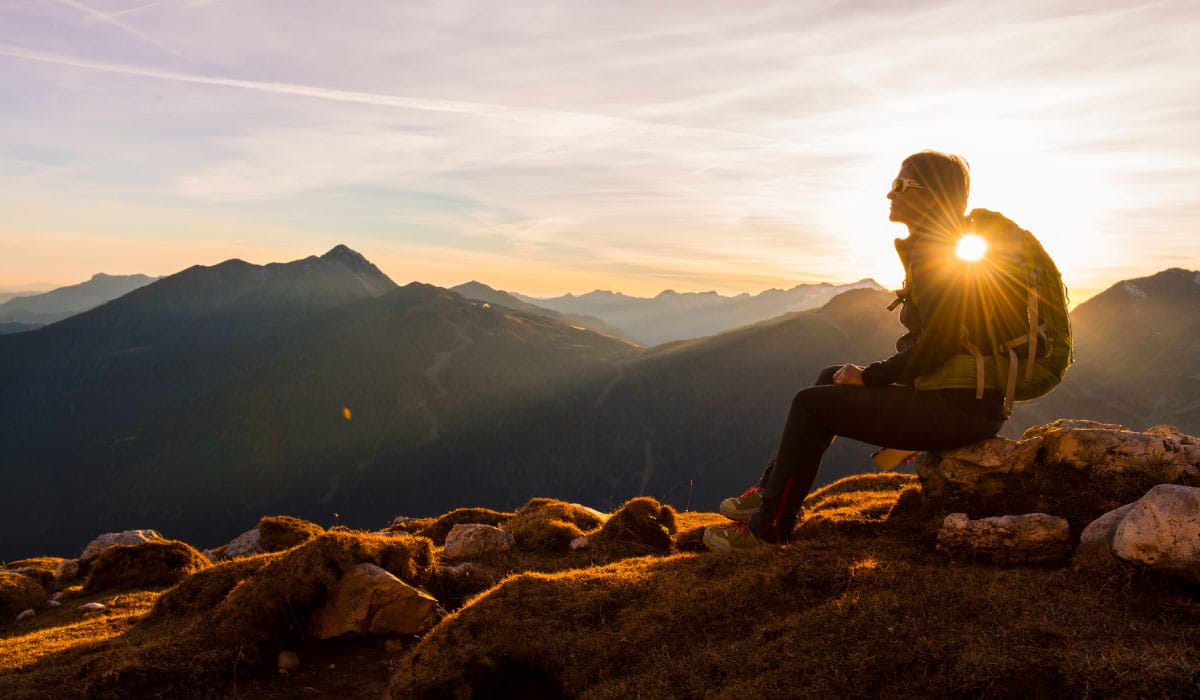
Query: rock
(579, 543)
(108, 539)
(289, 661)
(57, 596)
(1162, 531)
(473, 540)
(1074, 469)
(93, 607)
(368, 600)
(246, 544)
(54, 603)
(1101, 529)
(26, 614)
(1035, 538)
(66, 572)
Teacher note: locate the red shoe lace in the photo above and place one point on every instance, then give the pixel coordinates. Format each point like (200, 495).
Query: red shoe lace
(752, 489)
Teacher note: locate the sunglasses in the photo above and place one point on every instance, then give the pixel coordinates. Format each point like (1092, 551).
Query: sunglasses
(901, 184)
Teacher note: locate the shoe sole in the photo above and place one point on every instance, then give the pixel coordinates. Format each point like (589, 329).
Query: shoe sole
(717, 545)
(735, 514)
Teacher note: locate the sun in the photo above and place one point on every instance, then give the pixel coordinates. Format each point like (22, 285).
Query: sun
(971, 248)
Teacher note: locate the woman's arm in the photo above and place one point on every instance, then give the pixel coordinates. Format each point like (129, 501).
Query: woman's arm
(941, 298)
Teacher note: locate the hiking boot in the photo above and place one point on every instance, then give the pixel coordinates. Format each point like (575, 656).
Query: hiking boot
(743, 506)
(732, 538)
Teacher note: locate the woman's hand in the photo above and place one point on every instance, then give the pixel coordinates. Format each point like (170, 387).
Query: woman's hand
(849, 374)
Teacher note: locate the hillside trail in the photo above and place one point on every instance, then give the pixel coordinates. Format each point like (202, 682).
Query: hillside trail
(612, 383)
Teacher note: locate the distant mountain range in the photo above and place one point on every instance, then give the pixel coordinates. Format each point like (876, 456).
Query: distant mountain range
(198, 402)
(482, 292)
(675, 316)
(29, 311)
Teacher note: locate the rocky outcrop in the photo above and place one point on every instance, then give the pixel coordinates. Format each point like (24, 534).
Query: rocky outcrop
(246, 544)
(109, 539)
(1073, 469)
(1034, 538)
(1160, 530)
(368, 600)
(472, 540)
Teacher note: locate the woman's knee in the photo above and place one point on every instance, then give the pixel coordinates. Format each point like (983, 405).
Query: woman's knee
(826, 375)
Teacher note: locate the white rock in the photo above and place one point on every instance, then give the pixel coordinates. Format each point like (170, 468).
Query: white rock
(472, 540)
(1162, 531)
(110, 539)
(93, 607)
(369, 600)
(289, 661)
(579, 543)
(1102, 529)
(601, 516)
(1009, 539)
(26, 614)
(54, 604)
(246, 544)
(57, 596)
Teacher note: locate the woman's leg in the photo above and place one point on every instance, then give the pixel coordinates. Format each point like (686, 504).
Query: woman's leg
(891, 416)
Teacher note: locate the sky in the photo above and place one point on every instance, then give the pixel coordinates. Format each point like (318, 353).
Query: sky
(551, 147)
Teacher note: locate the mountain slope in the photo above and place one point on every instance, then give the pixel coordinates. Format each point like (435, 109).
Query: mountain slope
(674, 316)
(55, 305)
(1135, 357)
(300, 387)
(482, 292)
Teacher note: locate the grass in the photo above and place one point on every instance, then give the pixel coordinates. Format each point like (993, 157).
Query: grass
(858, 605)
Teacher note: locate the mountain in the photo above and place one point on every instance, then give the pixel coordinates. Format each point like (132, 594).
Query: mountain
(1136, 362)
(482, 292)
(299, 387)
(674, 316)
(55, 305)
(6, 328)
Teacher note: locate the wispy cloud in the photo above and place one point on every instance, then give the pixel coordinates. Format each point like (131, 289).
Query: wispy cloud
(112, 20)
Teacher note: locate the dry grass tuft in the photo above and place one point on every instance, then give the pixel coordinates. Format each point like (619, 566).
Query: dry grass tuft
(19, 592)
(413, 526)
(641, 526)
(280, 532)
(205, 589)
(548, 525)
(438, 529)
(264, 603)
(147, 565)
(40, 569)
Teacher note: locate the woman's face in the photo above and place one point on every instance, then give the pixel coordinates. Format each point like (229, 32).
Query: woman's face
(913, 206)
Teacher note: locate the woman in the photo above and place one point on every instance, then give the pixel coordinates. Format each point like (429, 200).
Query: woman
(879, 404)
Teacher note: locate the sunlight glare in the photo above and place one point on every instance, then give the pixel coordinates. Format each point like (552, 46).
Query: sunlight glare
(971, 248)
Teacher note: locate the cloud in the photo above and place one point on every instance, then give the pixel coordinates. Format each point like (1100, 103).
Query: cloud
(112, 20)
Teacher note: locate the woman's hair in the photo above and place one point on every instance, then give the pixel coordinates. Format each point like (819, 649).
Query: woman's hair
(947, 176)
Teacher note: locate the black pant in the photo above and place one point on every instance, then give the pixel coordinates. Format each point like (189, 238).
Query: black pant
(890, 416)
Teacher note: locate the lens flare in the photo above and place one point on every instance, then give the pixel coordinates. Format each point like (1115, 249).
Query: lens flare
(971, 248)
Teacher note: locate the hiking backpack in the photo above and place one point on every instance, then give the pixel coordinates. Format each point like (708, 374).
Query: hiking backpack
(1024, 304)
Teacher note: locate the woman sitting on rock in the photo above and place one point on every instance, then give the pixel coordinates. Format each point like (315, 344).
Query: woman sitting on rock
(880, 404)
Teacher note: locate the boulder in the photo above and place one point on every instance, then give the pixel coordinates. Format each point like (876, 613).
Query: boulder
(368, 600)
(246, 544)
(472, 540)
(1034, 538)
(26, 614)
(65, 572)
(1162, 531)
(1100, 530)
(109, 539)
(1074, 469)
